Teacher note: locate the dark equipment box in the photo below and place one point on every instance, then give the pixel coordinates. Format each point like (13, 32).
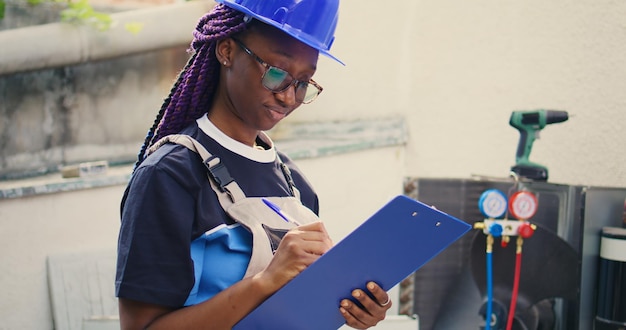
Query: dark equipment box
(559, 270)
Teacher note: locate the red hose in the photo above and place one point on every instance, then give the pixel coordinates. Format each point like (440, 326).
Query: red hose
(518, 267)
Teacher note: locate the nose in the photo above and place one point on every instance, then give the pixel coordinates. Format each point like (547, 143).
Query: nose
(288, 96)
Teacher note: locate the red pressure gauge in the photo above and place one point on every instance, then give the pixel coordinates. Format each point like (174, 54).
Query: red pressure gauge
(523, 205)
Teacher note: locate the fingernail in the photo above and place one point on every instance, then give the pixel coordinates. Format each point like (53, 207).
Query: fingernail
(345, 304)
(356, 294)
(370, 285)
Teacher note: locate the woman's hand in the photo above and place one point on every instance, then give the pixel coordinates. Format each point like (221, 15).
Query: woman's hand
(299, 248)
(373, 310)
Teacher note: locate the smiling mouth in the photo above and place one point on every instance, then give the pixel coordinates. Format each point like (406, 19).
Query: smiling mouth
(275, 111)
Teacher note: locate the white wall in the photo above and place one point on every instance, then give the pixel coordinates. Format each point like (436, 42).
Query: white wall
(456, 69)
(34, 227)
(351, 187)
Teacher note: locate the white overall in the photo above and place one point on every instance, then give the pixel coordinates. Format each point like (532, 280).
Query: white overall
(266, 226)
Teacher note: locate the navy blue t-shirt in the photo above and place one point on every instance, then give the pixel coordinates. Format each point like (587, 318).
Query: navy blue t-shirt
(169, 204)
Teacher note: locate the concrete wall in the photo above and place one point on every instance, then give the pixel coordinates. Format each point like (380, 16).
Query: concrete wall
(85, 112)
(80, 94)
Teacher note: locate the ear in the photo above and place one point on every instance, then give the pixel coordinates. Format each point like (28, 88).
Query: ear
(224, 51)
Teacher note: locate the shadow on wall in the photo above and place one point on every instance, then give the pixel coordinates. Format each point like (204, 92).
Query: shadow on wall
(81, 113)
(18, 14)
(98, 91)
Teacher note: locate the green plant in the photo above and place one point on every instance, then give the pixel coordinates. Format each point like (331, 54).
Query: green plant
(82, 12)
(75, 12)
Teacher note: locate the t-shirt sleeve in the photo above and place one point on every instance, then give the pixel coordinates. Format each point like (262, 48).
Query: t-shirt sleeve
(154, 263)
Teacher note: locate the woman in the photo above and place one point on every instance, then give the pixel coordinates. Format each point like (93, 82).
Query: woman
(196, 248)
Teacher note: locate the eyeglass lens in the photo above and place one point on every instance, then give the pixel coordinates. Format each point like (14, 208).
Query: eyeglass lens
(278, 80)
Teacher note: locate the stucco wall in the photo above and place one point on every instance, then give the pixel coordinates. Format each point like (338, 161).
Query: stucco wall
(456, 69)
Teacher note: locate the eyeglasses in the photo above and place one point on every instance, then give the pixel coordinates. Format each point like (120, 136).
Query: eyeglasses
(278, 80)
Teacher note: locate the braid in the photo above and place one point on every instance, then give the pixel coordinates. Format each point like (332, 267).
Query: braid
(195, 86)
(150, 136)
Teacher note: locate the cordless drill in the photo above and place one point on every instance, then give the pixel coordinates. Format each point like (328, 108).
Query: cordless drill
(529, 123)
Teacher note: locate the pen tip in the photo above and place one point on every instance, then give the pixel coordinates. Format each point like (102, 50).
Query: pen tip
(269, 203)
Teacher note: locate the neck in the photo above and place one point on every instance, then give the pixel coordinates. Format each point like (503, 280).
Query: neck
(236, 132)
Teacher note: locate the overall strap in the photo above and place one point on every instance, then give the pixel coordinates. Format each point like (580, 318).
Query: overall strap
(227, 190)
(287, 173)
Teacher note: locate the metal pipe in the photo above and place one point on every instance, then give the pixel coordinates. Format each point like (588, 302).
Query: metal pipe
(60, 44)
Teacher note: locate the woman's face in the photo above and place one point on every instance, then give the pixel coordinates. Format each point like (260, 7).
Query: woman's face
(248, 99)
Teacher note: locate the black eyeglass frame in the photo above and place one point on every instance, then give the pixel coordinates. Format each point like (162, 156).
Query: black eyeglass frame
(294, 82)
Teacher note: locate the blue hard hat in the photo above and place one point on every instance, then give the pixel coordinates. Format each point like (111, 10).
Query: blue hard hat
(310, 21)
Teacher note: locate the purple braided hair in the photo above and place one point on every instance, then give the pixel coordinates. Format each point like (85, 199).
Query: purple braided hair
(195, 86)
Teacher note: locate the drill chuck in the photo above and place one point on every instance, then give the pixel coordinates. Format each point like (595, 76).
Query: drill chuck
(556, 116)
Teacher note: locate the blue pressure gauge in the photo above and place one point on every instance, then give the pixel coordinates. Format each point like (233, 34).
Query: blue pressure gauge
(492, 203)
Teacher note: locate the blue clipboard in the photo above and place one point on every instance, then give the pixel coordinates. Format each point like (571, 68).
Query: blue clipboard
(389, 246)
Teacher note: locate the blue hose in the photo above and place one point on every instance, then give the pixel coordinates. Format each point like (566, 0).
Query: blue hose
(489, 291)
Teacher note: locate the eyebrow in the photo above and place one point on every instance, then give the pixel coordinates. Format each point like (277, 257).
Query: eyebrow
(255, 30)
(289, 56)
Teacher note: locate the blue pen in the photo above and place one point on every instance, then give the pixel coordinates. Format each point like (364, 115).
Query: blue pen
(280, 212)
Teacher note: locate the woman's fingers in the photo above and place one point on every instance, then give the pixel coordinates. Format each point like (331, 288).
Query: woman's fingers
(382, 298)
(299, 248)
(374, 307)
